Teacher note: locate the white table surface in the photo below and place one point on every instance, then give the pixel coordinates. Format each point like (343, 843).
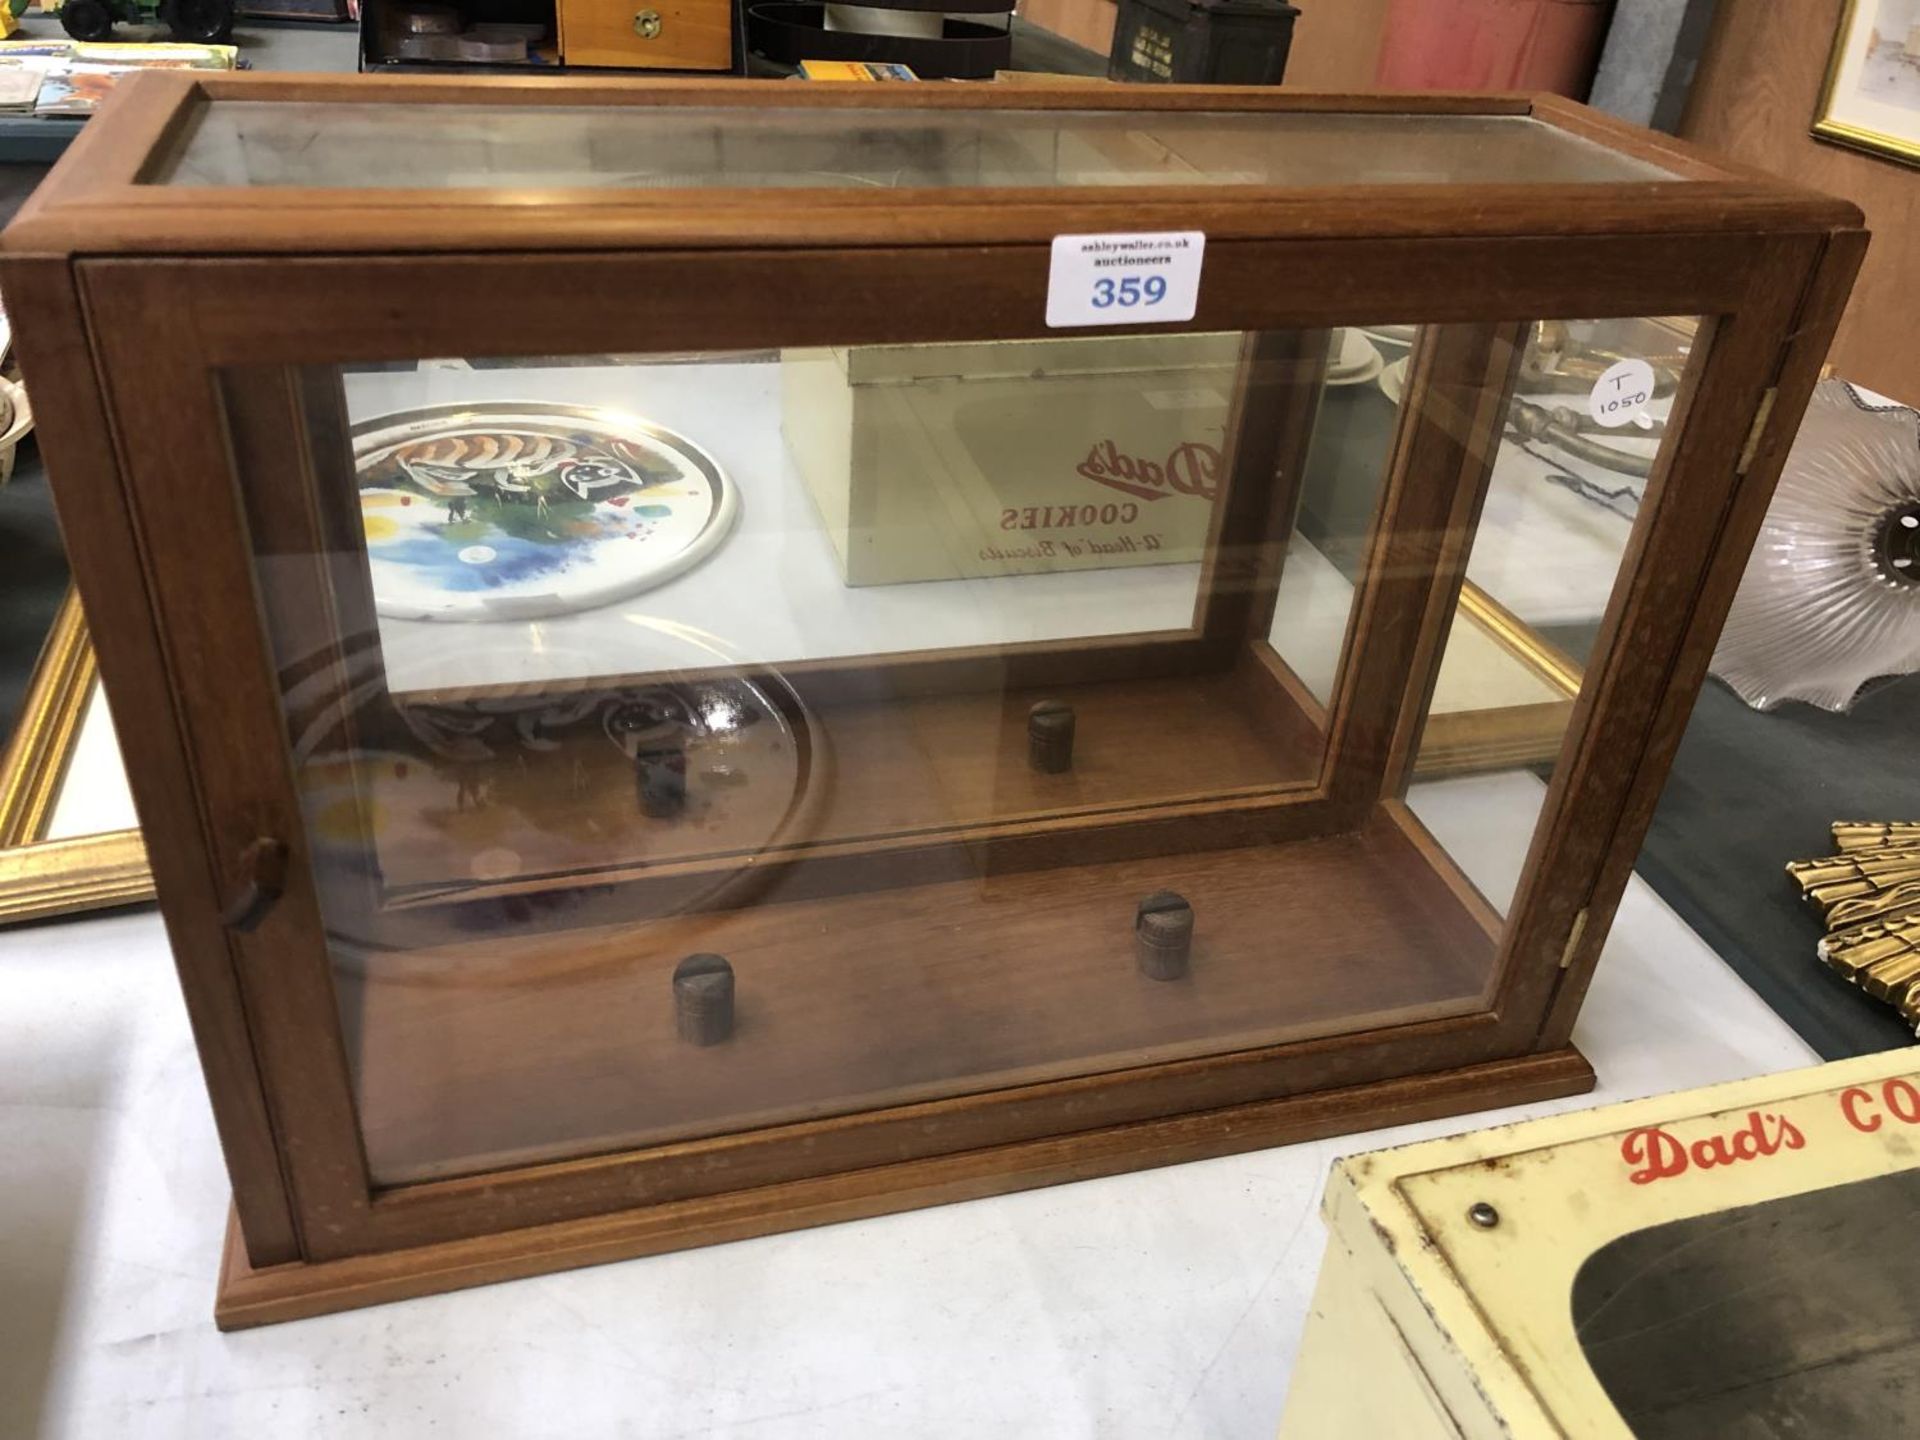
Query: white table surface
(1165, 1303)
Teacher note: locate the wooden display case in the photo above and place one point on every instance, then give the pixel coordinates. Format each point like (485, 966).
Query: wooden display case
(564, 862)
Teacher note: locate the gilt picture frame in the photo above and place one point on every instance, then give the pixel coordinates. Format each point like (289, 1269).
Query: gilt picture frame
(1870, 99)
(44, 872)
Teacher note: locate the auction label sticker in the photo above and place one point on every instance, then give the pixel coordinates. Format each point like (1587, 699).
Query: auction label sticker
(1622, 392)
(1125, 279)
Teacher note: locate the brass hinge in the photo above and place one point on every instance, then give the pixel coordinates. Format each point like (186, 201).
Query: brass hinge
(1573, 938)
(1760, 418)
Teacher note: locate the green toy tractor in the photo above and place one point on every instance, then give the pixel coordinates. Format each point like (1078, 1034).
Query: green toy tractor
(202, 22)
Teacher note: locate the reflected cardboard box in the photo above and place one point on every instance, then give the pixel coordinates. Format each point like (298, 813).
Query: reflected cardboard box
(942, 462)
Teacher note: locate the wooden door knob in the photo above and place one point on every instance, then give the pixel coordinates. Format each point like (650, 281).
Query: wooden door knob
(646, 24)
(261, 876)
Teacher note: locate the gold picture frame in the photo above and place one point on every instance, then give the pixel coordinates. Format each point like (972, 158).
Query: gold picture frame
(41, 877)
(1868, 90)
(1502, 737)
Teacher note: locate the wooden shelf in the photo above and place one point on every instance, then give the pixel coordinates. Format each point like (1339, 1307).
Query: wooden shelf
(504, 1051)
(835, 774)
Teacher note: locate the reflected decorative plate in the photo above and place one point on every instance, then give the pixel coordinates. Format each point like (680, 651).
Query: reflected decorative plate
(517, 510)
(522, 809)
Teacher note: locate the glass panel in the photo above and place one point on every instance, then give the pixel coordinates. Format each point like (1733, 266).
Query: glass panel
(1353, 438)
(1560, 510)
(358, 146)
(904, 680)
(833, 503)
(1800, 1315)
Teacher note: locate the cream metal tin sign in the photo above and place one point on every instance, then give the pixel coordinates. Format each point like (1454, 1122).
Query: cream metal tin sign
(1493, 1228)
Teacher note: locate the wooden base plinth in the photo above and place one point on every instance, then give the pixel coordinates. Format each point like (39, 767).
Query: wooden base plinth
(499, 1051)
(249, 1297)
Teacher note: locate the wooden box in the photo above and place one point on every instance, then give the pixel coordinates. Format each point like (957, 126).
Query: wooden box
(648, 34)
(1202, 42)
(563, 862)
(1717, 1262)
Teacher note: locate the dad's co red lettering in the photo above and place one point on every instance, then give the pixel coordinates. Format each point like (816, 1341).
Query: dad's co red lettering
(1658, 1154)
(1898, 1097)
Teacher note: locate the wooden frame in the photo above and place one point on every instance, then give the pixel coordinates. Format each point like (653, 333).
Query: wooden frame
(34, 761)
(129, 326)
(1857, 132)
(41, 877)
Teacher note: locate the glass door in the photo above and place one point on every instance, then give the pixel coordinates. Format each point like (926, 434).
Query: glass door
(770, 725)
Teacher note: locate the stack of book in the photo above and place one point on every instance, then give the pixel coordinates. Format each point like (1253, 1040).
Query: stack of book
(66, 77)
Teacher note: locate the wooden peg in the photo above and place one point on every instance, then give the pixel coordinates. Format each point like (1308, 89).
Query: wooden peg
(660, 773)
(703, 999)
(651, 734)
(1163, 935)
(1050, 737)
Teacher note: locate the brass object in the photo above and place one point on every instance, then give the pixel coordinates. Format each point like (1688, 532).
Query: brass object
(1869, 896)
(1860, 873)
(646, 24)
(1897, 903)
(1890, 979)
(1568, 429)
(1888, 862)
(1556, 363)
(1871, 835)
(1862, 948)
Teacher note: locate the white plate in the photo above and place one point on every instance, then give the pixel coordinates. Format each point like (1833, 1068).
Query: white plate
(1356, 361)
(518, 510)
(1400, 336)
(1393, 379)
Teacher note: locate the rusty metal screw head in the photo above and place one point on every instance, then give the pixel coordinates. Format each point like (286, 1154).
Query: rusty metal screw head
(703, 999)
(1163, 935)
(1050, 737)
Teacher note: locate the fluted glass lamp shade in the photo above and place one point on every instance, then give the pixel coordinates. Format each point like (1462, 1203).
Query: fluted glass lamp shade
(1831, 597)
